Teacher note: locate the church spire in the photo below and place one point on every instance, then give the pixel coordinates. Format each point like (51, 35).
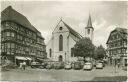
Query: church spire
(89, 21)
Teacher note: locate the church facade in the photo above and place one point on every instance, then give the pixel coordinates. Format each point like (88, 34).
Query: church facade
(60, 46)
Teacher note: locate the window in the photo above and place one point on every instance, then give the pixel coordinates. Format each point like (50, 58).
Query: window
(50, 52)
(7, 24)
(88, 31)
(12, 34)
(8, 33)
(60, 43)
(60, 28)
(18, 36)
(12, 45)
(8, 45)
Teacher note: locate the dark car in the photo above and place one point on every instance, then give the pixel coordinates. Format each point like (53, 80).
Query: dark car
(77, 66)
(35, 65)
(42, 66)
(58, 65)
(49, 65)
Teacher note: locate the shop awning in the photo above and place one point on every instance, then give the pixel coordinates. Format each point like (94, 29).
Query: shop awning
(21, 58)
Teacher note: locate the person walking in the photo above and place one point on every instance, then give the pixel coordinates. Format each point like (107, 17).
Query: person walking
(21, 65)
(24, 65)
(118, 64)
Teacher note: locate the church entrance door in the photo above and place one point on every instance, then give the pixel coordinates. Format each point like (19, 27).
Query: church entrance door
(60, 58)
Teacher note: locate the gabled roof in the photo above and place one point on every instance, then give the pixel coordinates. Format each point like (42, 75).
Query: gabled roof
(9, 14)
(120, 31)
(72, 31)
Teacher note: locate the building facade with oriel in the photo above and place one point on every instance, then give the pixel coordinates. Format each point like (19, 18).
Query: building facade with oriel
(117, 46)
(63, 39)
(20, 41)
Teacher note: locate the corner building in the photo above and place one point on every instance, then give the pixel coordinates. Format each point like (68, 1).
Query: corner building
(117, 46)
(20, 41)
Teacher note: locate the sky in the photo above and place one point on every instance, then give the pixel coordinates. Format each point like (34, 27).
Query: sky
(45, 15)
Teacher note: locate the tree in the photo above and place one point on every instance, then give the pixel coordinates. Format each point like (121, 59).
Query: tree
(84, 48)
(99, 52)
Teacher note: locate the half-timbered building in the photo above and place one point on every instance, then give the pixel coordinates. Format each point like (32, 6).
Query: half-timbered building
(20, 40)
(117, 46)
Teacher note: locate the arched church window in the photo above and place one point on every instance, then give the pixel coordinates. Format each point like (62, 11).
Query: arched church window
(60, 28)
(60, 43)
(50, 52)
(88, 31)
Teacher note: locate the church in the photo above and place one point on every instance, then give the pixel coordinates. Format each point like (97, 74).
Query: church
(63, 39)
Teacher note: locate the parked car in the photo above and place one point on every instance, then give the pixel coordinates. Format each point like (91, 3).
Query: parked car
(35, 65)
(88, 66)
(102, 63)
(77, 66)
(43, 65)
(49, 65)
(59, 65)
(68, 66)
(99, 65)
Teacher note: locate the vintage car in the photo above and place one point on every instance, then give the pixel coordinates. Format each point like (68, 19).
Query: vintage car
(77, 65)
(49, 65)
(67, 66)
(35, 65)
(88, 66)
(99, 65)
(58, 65)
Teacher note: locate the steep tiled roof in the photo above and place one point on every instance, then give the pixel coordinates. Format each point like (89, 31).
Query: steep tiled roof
(9, 14)
(121, 32)
(72, 31)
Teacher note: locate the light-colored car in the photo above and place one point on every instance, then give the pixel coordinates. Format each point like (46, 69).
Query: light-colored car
(88, 66)
(99, 65)
(68, 66)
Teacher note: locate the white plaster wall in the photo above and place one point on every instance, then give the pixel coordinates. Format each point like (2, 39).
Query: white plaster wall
(68, 43)
(56, 35)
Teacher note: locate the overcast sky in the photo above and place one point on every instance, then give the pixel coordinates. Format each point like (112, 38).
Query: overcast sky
(45, 15)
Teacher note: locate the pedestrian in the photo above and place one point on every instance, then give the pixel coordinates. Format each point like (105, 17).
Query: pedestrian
(20, 65)
(24, 65)
(118, 64)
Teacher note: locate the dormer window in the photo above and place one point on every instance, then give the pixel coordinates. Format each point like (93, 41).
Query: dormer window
(60, 28)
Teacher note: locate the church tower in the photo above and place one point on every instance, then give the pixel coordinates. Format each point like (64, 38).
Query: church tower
(89, 29)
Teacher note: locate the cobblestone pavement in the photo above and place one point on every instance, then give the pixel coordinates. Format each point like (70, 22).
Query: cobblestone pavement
(62, 75)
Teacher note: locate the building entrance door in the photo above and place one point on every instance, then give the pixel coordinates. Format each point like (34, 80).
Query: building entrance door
(60, 58)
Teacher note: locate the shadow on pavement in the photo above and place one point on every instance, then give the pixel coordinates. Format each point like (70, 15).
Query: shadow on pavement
(114, 78)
